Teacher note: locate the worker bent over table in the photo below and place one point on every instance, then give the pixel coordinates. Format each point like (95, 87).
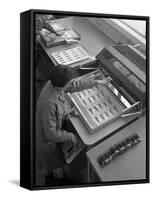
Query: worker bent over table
(51, 113)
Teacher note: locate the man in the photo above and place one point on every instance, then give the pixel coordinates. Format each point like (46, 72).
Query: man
(50, 115)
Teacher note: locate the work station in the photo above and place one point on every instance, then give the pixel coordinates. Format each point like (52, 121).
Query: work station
(104, 101)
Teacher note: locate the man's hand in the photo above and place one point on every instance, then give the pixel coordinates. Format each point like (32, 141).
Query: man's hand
(73, 112)
(74, 139)
(104, 81)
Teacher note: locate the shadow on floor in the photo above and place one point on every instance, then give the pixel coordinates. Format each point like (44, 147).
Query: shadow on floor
(15, 182)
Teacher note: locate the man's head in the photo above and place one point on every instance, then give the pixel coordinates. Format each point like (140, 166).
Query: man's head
(61, 75)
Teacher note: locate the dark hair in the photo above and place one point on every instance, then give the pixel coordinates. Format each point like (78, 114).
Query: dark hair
(61, 75)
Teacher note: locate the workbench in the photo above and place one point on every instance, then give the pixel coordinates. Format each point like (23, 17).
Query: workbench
(131, 165)
(92, 40)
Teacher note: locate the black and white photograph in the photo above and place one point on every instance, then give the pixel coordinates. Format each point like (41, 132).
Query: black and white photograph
(86, 91)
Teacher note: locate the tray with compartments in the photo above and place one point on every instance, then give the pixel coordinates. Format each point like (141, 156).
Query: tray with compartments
(70, 56)
(97, 107)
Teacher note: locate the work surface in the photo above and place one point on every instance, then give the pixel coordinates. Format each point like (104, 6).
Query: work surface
(129, 166)
(92, 39)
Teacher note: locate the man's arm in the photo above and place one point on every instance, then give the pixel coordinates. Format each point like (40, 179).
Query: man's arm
(49, 122)
(76, 86)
